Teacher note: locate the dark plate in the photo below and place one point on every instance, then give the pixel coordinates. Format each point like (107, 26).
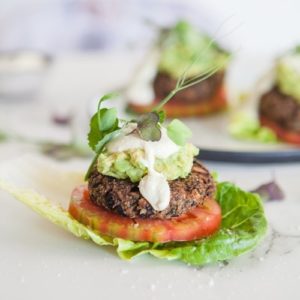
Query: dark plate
(284, 156)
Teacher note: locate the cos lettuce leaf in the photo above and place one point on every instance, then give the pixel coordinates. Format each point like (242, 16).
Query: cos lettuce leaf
(244, 127)
(243, 226)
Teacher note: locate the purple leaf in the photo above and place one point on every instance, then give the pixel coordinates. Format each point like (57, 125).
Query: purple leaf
(148, 128)
(270, 191)
(62, 119)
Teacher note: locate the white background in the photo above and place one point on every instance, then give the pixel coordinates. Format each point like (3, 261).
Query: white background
(264, 27)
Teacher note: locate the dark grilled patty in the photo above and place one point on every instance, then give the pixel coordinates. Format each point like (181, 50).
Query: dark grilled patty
(200, 92)
(281, 108)
(123, 197)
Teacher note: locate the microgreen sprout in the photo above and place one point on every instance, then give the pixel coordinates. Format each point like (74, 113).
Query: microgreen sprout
(105, 125)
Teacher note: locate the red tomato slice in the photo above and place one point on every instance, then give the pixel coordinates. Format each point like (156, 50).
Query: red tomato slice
(198, 223)
(282, 134)
(175, 109)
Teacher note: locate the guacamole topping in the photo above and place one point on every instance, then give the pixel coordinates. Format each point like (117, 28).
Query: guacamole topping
(132, 154)
(288, 74)
(129, 163)
(185, 45)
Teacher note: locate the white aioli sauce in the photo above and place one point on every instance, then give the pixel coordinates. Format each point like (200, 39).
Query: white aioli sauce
(154, 186)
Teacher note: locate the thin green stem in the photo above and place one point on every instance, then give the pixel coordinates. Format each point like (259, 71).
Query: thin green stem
(183, 85)
(165, 100)
(198, 81)
(201, 75)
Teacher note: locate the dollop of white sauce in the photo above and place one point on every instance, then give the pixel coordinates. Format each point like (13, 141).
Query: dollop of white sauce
(154, 186)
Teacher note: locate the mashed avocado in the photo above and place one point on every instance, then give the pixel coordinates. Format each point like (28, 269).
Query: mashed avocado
(128, 164)
(288, 75)
(183, 45)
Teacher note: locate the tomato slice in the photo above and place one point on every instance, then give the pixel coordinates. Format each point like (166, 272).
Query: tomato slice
(175, 109)
(198, 223)
(282, 134)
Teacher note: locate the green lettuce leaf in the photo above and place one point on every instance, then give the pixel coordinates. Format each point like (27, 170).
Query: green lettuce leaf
(243, 226)
(245, 127)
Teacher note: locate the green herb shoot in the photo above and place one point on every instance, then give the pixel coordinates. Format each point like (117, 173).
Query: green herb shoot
(105, 125)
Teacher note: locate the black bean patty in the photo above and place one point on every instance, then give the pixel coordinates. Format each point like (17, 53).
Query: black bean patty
(200, 92)
(281, 108)
(124, 198)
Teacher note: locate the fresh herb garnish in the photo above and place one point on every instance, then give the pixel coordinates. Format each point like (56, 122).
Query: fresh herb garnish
(103, 122)
(148, 127)
(184, 83)
(104, 125)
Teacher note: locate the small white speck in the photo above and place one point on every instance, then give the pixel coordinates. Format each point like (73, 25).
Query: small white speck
(58, 274)
(124, 272)
(211, 282)
(22, 280)
(170, 286)
(152, 287)
(20, 264)
(132, 287)
(261, 258)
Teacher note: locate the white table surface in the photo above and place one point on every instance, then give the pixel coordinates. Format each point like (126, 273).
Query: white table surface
(41, 261)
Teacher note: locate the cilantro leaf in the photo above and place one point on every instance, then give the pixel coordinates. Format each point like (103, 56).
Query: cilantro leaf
(104, 98)
(108, 118)
(98, 148)
(95, 134)
(104, 126)
(103, 122)
(178, 132)
(106, 139)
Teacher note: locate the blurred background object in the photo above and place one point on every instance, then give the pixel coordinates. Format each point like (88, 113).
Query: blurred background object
(60, 54)
(21, 74)
(60, 26)
(70, 28)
